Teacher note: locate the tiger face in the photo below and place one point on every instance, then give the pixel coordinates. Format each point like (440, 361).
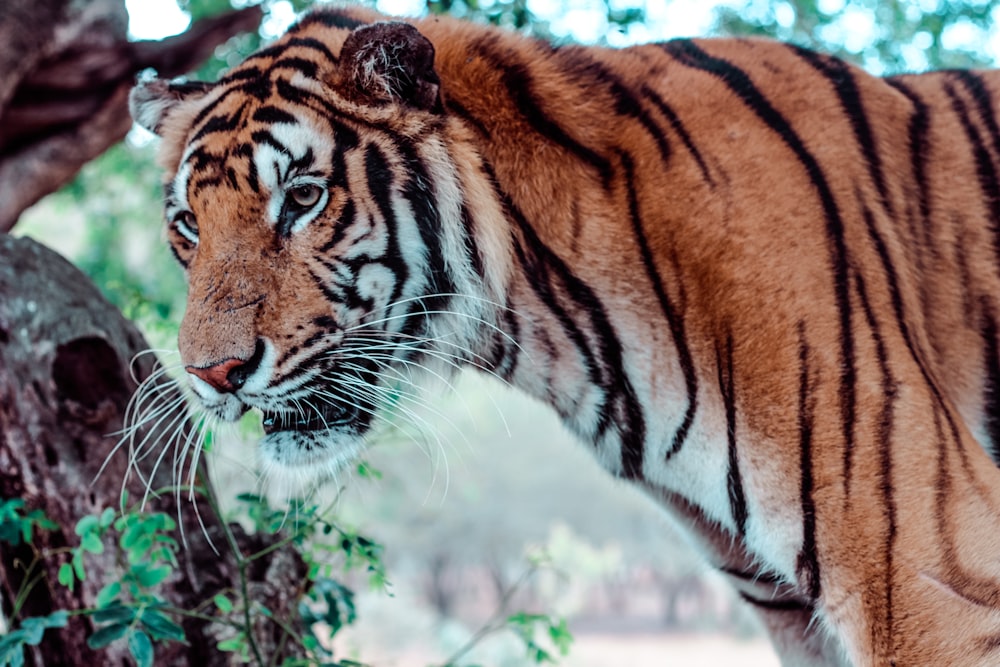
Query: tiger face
(319, 220)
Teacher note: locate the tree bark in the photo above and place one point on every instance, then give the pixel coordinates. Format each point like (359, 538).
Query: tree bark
(65, 72)
(66, 376)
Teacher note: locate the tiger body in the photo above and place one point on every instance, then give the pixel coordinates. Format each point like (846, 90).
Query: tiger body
(757, 281)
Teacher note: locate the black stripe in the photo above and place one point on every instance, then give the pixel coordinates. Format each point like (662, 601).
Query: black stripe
(315, 45)
(920, 230)
(326, 289)
(220, 123)
(177, 256)
(678, 127)
(991, 390)
(418, 191)
(206, 182)
(986, 170)
(842, 79)
(243, 74)
(307, 67)
(604, 370)
(755, 576)
(265, 137)
(739, 82)
(588, 72)
(505, 354)
(245, 151)
(472, 245)
(459, 110)
(344, 222)
(329, 18)
(272, 114)
(520, 86)
(787, 604)
(734, 480)
(984, 103)
(884, 442)
(379, 178)
(674, 318)
(808, 561)
(898, 311)
(267, 53)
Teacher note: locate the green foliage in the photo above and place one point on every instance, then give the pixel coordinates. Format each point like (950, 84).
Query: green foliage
(17, 526)
(553, 629)
(131, 608)
(905, 34)
(29, 633)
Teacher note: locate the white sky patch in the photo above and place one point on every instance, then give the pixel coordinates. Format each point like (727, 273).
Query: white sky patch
(279, 19)
(155, 19)
(963, 34)
(858, 29)
(401, 7)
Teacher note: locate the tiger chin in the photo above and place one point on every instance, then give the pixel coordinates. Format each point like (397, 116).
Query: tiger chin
(759, 283)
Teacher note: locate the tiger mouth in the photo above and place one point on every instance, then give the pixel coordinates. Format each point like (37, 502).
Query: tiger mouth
(323, 418)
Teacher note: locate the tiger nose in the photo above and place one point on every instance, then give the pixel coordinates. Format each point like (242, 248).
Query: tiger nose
(230, 374)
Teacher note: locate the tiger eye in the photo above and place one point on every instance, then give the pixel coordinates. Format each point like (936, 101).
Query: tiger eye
(187, 219)
(305, 196)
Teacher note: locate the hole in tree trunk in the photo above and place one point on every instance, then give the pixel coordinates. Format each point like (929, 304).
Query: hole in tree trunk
(87, 371)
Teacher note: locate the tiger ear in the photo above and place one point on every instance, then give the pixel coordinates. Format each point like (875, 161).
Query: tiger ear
(150, 102)
(387, 62)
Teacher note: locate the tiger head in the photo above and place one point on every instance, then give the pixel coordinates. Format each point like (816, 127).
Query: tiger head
(316, 203)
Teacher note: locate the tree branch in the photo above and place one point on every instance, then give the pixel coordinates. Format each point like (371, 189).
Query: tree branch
(73, 105)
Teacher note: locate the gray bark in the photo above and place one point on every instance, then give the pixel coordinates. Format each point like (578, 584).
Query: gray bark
(66, 366)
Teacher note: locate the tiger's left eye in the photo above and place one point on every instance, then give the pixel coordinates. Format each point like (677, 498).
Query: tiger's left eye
(305, 196)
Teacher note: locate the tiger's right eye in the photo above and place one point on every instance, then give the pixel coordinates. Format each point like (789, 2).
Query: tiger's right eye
(186, 226)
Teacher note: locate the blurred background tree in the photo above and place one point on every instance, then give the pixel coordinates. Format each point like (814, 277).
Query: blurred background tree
(458, 528)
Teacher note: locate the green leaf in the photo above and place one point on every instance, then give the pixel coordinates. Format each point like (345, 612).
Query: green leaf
(223, 603)
(12, 650)
(92, 543)
(138, 548)
(161, 627)
(65, 575)
(148, 577)
(33, 627)
(32, 631)
(118, 613)
(232, 644)
(561, 636)
(106, 635)
(87, 525)
(141, 648)
(57, 619)
(107, 518)
(78, 565)
(108, 594)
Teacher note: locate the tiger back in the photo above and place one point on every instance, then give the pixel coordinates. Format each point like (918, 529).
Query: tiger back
(758, 282)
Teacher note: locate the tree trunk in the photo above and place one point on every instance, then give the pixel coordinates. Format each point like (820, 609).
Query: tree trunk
(66, 376)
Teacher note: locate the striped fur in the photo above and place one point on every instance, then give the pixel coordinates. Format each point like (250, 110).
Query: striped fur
(757, 281)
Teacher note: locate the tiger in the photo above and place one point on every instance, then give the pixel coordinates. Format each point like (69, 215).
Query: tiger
(756, 281)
